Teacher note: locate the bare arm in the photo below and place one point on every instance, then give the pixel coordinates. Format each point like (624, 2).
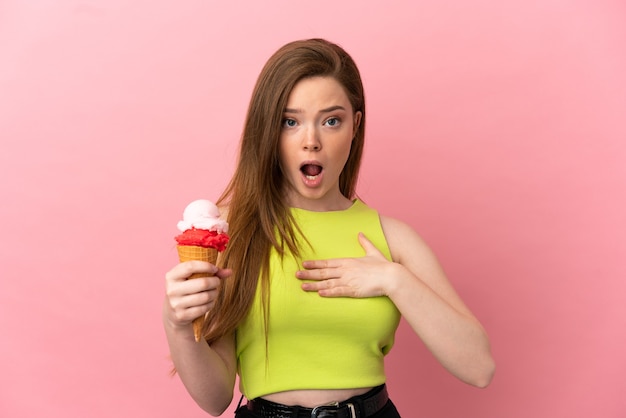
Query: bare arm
(417, 285)
(429, 303)
(208, 372)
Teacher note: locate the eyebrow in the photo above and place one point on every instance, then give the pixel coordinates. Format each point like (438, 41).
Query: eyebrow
(326, 110)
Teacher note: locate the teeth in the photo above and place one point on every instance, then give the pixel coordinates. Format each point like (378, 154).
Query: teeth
(311, 177)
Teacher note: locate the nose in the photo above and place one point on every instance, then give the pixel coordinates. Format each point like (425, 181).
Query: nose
(312, 140)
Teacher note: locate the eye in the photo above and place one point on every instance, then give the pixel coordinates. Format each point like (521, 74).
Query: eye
(289, 123)
(333, 121)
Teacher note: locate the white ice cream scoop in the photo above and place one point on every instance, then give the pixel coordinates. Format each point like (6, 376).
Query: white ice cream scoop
(202, 214)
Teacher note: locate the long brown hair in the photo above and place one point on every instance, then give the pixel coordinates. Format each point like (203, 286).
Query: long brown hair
(258, 215)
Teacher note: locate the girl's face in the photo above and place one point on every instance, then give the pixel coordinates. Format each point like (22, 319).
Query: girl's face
(318, 127)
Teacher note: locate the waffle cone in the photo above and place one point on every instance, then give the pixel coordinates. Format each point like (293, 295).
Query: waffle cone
(189, 253)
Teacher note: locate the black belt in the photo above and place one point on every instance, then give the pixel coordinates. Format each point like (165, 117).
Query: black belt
(356, 407)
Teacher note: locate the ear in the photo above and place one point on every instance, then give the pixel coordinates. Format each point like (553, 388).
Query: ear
(357, 121)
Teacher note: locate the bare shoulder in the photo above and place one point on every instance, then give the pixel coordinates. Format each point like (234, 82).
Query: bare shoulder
(410, 250)
(404, 242)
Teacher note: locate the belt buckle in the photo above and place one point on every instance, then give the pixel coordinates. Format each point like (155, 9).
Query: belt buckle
(318, 411)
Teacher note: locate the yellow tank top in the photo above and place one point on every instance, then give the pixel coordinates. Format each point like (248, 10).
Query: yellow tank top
(316, 342)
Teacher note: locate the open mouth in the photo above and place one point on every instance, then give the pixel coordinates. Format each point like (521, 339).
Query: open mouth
(311, 171)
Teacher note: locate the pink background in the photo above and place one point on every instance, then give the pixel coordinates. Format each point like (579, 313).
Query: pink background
(497, 129)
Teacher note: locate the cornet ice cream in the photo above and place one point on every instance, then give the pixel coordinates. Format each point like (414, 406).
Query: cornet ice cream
(203, 235)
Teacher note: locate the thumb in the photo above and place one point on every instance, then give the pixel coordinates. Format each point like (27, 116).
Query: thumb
(224, 273)
(370, 249)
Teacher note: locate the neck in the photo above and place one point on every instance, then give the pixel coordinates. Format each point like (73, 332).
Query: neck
(339, 202)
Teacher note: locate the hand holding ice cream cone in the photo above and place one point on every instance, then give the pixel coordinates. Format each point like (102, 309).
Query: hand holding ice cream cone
(203, 236)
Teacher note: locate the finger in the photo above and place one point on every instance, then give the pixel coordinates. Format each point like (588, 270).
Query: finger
(187, 315)
(199, 304)
(183, 270)
(367, 245)
(316, 274)
(202, 284)
(202, 299)
(186, 307)
(328, 288)
(322, 264)
(224, 273)
(179, 290)
(317, 286)
(337, 292)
